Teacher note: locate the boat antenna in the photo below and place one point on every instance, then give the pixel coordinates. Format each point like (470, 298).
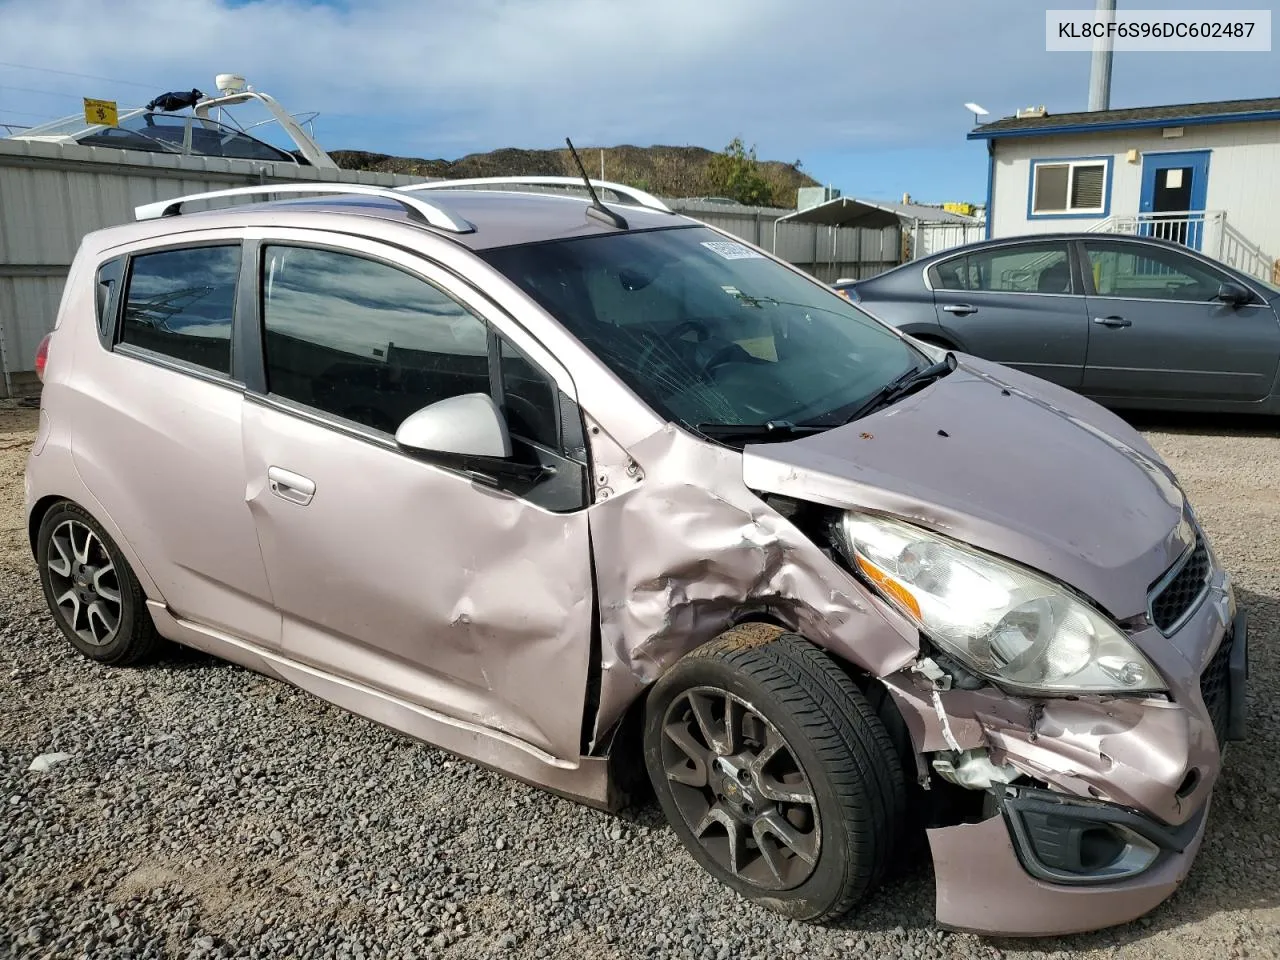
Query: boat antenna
(597, 209)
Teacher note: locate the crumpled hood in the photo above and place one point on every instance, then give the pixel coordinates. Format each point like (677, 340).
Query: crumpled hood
(1008, 463)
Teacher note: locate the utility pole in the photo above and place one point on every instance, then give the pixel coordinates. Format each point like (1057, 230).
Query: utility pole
(1100, 74)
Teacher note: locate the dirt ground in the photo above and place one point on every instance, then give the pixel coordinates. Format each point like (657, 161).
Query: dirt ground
(1229, 906)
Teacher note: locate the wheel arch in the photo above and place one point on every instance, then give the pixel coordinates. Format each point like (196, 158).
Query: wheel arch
(42, 506)
(623, 746)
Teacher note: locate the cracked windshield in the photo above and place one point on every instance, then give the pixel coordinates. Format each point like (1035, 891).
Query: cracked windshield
(709, 332)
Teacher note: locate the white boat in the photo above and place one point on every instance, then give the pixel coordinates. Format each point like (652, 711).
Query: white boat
(191, 124)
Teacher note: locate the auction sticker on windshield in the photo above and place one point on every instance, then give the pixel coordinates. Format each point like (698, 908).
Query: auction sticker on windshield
(731, 250)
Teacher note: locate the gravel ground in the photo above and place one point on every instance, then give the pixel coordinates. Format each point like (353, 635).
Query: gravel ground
(210, 812)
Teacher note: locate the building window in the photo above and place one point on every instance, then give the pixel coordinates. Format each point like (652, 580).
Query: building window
(1069, 187)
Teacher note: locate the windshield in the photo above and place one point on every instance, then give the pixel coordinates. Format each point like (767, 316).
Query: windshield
(709, 332)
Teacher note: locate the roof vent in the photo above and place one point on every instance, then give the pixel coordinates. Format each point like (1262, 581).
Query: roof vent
(1028, 113)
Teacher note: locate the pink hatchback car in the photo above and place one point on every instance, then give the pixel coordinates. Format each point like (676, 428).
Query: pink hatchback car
(597, 495)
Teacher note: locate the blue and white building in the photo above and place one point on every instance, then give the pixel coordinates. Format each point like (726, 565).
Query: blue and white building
(1206, 174)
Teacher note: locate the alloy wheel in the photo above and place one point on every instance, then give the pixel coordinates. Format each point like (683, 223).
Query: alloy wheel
(85, 585)
(740, 788)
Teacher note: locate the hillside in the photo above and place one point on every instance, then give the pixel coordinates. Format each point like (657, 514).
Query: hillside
(665, 171)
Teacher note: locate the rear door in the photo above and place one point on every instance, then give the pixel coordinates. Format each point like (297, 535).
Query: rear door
(157, 431)
(1159, 331)
(1019, 304)
(471, 600)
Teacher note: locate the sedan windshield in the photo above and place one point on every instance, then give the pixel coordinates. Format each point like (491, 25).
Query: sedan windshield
(709, 332)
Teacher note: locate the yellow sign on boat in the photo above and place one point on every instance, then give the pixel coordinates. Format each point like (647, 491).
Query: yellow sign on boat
(101, 112)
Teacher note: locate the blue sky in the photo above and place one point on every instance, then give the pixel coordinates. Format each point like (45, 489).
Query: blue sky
(870, 98)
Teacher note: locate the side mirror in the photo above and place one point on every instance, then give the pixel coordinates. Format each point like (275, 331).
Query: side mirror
(469, 425)
(1233, 293)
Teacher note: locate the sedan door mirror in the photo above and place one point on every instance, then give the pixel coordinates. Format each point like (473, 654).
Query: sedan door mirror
(1233, 293)
(469, 425)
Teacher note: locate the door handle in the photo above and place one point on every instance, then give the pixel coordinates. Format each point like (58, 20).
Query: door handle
(290, 486)
(960, 309)
(1113, 321)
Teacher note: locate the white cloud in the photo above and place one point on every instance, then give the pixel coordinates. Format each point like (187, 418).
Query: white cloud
(443, 78)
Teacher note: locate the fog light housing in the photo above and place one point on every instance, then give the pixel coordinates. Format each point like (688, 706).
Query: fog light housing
(1066, 840)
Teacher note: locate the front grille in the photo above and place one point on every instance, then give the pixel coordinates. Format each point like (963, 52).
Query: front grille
(1215, 687)
(1170, 599)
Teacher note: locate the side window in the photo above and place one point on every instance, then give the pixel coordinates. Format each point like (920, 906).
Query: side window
(107, 293)
(1136, 271)
(528, 399)
(950, 274)
(1025, 268)
(363, 340)
(180, 304)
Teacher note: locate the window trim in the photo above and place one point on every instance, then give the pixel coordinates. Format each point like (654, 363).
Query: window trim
(1082, 255)
(1073, 260)
(116, 344)
(1100, 213)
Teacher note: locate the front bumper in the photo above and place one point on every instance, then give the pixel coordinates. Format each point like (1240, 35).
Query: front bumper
(983, 887)
(1042, 866)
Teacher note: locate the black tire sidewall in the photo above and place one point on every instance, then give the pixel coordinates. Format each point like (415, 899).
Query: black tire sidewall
(825, 886)
(122, 645)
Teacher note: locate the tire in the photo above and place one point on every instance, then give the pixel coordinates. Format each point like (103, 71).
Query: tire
(76, 556)
(836, 783)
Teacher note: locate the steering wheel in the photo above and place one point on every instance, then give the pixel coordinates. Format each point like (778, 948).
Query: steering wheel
(731, 353)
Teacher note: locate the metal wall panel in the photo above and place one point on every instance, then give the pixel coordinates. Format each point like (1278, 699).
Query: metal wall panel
(51, 195)
(25, 303)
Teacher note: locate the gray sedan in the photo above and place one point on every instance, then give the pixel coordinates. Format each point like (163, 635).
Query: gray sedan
(1127, 321)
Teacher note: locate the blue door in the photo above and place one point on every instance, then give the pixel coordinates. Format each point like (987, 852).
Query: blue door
(1173, 192)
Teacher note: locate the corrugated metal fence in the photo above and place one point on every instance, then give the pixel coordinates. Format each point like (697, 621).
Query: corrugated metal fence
(51, 195)
(829, 253)
(926, 239)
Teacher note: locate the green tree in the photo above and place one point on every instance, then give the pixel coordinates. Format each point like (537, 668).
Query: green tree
(735, 173)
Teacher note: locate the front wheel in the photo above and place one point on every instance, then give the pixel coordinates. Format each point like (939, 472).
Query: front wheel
(775, 772)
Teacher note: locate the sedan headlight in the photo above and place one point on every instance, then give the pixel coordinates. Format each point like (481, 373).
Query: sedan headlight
(1012, 626)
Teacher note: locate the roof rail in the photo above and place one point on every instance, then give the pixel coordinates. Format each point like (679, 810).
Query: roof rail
(418, 209)
(635, 195)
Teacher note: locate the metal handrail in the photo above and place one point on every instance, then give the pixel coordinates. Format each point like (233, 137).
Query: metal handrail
(636, 195)
(417, 208)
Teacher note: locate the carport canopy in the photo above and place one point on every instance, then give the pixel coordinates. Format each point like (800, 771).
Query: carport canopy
(852, 212)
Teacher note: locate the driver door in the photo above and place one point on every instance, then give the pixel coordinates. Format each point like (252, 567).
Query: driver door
(420, 581)
(1158, 331)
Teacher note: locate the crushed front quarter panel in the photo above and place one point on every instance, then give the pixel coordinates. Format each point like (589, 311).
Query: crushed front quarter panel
(686, 551)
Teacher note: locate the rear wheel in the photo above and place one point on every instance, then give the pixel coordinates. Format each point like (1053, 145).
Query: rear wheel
(91, 591)
(775, 772)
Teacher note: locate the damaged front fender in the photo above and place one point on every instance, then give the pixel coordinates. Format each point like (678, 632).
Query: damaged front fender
(683, 549)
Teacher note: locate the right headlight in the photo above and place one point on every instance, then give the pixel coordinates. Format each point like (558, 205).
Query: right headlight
(1004, 622)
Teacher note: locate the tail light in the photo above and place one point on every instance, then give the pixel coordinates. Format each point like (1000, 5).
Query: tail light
(42, 356)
